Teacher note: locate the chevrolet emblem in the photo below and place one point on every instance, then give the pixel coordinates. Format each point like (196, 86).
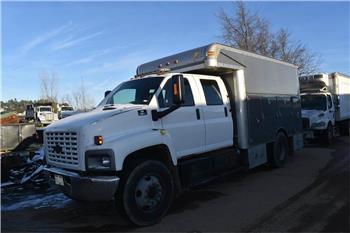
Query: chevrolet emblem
(57, 149)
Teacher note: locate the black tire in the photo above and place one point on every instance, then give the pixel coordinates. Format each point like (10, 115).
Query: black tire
(145, 193)
(328, 134)
(280, 151)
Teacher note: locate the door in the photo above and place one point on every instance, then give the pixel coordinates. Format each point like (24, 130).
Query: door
(184, 125)
(216, 111)
(330, 110)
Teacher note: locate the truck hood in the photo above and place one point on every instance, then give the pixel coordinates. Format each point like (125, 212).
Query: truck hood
(75, 122)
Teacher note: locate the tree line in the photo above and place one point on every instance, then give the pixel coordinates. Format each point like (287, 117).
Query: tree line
(79, 99)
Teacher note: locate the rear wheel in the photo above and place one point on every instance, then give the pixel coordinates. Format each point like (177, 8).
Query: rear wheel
(146, 193)
(280, 151)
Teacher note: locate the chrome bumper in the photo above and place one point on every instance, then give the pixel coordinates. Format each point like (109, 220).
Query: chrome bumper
(86, 188)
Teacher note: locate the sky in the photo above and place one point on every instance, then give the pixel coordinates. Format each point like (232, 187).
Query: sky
(102, 43)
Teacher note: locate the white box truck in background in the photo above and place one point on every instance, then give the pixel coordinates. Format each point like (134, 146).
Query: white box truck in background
(325, 101)
(182, 120)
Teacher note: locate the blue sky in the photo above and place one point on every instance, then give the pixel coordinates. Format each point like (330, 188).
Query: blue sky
(102, 43)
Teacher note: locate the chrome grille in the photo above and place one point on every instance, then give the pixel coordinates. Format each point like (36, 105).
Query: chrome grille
(62, 147)
(49, 116)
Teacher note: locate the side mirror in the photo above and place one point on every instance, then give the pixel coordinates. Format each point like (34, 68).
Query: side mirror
(107, 92)
(178, 86)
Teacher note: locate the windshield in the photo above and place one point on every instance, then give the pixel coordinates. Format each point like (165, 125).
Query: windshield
(45, 109)
(138, 91)
(314, 102)
(67, 109)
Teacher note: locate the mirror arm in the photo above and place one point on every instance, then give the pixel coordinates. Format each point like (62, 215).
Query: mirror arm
(158, 115)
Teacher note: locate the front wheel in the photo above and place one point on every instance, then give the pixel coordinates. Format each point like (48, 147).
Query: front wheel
(147, 193)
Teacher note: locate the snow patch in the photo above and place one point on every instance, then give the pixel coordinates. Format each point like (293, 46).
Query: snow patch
(58, 200)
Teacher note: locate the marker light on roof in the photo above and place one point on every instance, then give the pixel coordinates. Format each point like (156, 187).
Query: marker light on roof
(210, 53)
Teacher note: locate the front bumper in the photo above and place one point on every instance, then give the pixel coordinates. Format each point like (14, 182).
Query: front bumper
(86, 188)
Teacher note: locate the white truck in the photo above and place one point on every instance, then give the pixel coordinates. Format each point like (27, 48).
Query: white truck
(66, 111)
(180, 121)
(45, 115)
(325, 101)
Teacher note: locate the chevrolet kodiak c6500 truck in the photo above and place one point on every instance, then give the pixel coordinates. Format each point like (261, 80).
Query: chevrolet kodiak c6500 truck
(181, 121)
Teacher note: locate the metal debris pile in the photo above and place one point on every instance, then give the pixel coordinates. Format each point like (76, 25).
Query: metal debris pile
(30, 172)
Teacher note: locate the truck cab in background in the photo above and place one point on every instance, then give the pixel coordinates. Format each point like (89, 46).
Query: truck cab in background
(325, 101)
(45, 115)
(65, 111)
(30, 112)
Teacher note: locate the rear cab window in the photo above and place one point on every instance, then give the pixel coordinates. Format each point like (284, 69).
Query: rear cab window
(211, 92)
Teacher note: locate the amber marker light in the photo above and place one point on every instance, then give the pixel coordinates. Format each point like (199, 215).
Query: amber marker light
(175, 89)
(210, 53)
(98, 140)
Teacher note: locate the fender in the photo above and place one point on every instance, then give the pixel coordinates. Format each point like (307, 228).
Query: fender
(126, 145)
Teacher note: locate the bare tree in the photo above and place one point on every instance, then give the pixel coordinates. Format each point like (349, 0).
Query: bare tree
(49, 86)
(249, 31)
(81, 98)
(66, 99)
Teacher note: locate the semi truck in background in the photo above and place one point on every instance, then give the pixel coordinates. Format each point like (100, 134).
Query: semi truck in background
(181, 121)
(325, 101)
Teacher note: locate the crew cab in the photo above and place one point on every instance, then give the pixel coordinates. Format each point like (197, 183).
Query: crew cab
(181, 121)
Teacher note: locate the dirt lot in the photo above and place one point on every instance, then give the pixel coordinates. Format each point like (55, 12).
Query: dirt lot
(310, 194)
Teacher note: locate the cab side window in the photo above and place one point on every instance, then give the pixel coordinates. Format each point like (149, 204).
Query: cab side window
(329, 101)
(165, 97)
(211, 92)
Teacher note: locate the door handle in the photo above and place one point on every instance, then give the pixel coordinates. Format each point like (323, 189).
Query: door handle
(198, 114)
(225, 111)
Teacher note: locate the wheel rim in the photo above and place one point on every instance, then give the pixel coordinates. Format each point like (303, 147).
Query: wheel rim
(148, 192)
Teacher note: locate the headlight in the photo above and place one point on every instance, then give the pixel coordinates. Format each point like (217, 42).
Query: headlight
(99, 160)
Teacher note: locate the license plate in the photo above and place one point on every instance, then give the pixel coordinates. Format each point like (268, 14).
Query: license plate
(59, 180)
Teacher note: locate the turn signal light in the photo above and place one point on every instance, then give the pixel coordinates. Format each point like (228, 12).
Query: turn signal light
(98, 140)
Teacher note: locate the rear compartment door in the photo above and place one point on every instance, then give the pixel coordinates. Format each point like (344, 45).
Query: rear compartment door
(216, 111)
